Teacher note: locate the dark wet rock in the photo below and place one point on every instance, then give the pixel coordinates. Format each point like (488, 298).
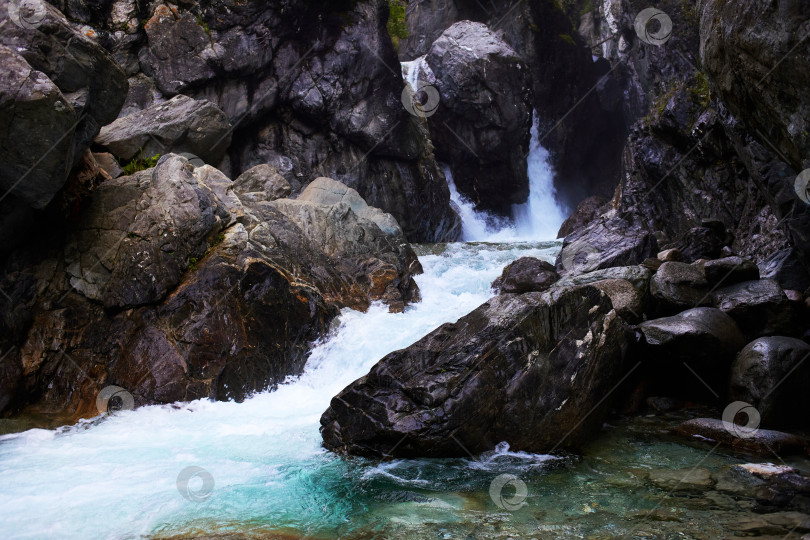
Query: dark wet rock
(661, 404)
(700, 341)
(604, 243)
(760, 441)
(523, 369)
(481, 126)
(526, 274)
(786, 269)
(728, 270)
(701, 243)
(677, 286)
(586, 211)
(180, 125)
(57, 89)
(760, 307)
(263, 182)
(773, 375)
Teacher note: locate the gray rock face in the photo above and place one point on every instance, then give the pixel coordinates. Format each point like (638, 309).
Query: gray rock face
(606, 242)
(263, 182)
(481, 126)
(179, 125)
(520, 368)
(526, 274)
(757, 54)
(773, 375)
(57, 89)
(677, 286)
(760, 307)
(134, 244)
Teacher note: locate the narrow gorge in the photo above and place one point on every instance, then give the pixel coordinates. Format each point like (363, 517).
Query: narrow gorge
(404, 269)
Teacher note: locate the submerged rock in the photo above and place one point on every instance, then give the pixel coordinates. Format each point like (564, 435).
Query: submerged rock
(759, 441)
(531, 370)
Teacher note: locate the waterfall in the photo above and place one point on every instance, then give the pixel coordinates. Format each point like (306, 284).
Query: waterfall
(412, 70)
(539, 218)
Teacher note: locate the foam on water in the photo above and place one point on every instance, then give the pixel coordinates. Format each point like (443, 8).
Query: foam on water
(116, 477)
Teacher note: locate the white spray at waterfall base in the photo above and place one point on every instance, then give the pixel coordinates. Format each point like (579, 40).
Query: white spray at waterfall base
(539, 218)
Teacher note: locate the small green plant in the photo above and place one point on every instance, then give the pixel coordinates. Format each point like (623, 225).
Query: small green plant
(192, 263)
(218, 240)
(139, 163)
(397, 27)
(203, 24)
(700, 91)
(568, 39)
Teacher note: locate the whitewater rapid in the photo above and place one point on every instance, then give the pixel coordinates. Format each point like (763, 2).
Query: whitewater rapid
(116, 477)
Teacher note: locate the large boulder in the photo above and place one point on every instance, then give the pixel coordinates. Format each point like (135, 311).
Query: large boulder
(133, 245)
(263, 182)
(526, 274)
(180, 125)
(701, 341)
(677, 286)
(337, 220)
(173, 288)
(606, 242)
(481, 127)
(760, 307)
(57, 89)
(773, 375)
(531, 370)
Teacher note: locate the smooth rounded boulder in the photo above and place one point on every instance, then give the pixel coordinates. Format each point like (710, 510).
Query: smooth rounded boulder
(530, 369)
(773, 375)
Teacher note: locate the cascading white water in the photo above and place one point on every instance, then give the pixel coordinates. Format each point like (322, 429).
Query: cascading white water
(539, 218)
(414, 70)
(116, 478)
